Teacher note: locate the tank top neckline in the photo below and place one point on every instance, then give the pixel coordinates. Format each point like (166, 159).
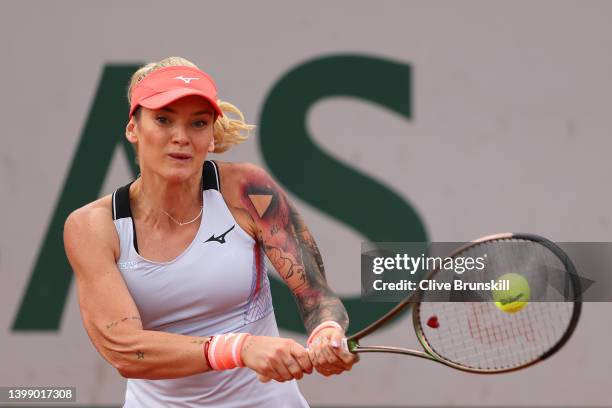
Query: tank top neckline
(186, 250)
(121, 208)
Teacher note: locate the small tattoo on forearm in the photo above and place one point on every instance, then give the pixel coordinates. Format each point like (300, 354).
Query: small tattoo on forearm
(140, 355)
(113, 324)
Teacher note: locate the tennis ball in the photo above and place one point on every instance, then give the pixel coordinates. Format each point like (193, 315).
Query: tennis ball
(515, 297)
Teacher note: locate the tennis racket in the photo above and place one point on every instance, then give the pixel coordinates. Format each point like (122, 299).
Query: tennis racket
(478, 337)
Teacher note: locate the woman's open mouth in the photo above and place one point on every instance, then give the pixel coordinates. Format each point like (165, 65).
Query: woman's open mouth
(182, 157)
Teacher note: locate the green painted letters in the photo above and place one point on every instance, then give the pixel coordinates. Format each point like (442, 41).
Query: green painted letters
(43, 303)
(303, 168)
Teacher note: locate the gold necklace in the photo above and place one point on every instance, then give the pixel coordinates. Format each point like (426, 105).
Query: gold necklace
(186, 222)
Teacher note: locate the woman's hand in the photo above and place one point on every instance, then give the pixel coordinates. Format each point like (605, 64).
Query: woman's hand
(274, 358)
(327, 353)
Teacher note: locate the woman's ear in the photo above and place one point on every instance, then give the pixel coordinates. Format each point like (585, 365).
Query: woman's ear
(211, 147)
(130, 134)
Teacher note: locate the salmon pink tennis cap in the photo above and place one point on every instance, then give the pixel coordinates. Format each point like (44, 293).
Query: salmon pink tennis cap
(166, 85)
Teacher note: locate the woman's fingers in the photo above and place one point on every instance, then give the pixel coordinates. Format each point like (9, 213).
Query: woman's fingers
(276, 359)
(302, 358)
(284, 359)
(342, 353)
(330, 360)
(263, 378)
(328, 355)
(295, 369)
(281, 369)
(323, 360)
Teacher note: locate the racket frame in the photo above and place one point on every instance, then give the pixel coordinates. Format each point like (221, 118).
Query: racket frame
(352, 342)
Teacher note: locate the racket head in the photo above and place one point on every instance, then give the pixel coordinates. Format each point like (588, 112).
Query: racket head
(412, 298)
(477, 336)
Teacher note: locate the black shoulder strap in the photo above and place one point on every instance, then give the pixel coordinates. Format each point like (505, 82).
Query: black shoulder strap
(121, 202)
(121, 208)
(210, 176)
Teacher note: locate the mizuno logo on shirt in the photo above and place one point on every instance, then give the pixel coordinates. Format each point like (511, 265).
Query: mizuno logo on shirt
(221, 238)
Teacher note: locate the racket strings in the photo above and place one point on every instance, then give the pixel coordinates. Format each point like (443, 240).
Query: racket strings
(516, 344)
(478, 335)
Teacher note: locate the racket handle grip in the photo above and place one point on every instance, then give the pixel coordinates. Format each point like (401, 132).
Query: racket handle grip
(350, 345)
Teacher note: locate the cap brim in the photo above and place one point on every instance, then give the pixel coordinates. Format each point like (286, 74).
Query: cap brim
(164, 98)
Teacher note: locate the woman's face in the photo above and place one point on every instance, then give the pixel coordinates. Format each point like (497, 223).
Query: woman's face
(174, 141)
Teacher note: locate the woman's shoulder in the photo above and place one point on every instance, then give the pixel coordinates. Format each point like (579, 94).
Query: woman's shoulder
(90, 235)
(238, 179)
(237, 171)
(100, 208)
(93, 218)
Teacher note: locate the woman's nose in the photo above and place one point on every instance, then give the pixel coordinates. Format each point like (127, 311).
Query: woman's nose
(180, 135)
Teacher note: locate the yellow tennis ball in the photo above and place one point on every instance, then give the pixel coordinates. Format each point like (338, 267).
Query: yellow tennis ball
(515, 297)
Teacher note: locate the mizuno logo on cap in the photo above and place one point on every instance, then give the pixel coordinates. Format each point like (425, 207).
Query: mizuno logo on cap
(185, 80)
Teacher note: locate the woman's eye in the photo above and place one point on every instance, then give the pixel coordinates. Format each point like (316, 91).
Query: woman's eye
(161, 120)
(200, 123)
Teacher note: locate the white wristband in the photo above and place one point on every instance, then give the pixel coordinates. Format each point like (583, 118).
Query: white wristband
(324, 325)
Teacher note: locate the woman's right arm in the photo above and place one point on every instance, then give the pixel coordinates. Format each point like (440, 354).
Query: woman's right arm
(113, 323)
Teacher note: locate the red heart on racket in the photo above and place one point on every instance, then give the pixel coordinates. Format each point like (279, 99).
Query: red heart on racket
(433, 322)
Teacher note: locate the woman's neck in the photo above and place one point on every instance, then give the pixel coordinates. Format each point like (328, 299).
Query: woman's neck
(159, 200)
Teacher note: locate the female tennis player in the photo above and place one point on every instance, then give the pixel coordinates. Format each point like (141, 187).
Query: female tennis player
(170, 268)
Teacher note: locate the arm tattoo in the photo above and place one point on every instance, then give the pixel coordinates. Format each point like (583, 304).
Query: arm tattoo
(116, 323)
(292, 250)
(140, 355)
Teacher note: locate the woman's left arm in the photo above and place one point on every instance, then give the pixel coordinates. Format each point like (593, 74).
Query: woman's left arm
(292, 250)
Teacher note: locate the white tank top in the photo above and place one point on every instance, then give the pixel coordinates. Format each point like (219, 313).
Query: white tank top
(217, 285)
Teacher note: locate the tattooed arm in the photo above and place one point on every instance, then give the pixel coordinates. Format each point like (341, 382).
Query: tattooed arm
(292, 250)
